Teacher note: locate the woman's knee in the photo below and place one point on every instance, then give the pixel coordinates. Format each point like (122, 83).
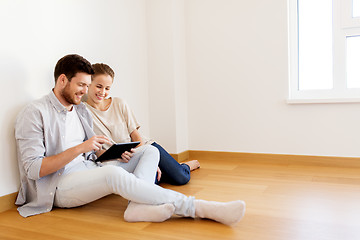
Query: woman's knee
(181, 179)
(180, 175)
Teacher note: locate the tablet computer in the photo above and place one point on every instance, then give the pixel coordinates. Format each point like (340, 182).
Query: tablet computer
(116, 150)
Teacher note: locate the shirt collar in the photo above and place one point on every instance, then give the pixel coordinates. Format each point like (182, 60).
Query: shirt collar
(56, 103)
(80, 107)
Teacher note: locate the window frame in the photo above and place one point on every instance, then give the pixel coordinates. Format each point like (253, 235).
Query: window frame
(344, 25)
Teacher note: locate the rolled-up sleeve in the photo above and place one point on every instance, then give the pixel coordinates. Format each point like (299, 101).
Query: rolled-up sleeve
(29, 134)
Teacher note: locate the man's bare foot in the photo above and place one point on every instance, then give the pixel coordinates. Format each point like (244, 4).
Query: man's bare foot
(193, 164)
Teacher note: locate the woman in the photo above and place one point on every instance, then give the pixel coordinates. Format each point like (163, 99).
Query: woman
(114, 119)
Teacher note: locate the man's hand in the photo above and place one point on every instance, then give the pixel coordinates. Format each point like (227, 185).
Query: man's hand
(94, 144)
(53, 163)
(125, 157)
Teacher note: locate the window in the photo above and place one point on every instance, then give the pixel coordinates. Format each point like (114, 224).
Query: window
(324, 44)
(356, 8)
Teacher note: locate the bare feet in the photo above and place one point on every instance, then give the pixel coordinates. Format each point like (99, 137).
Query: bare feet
(193, 164)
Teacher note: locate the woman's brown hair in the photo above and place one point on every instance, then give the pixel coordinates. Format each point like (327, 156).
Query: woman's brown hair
(102, 68)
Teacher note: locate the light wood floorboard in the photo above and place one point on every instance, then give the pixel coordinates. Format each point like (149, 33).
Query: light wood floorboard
(284, 202)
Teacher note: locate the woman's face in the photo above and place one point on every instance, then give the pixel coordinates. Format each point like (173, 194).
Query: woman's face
(99, 88)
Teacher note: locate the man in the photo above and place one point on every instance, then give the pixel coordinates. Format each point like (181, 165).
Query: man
(56, 146)
(40, 134)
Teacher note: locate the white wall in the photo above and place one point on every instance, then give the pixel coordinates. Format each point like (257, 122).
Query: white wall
(199, 74)
(35, 34)
(167, 74)
(237, 86)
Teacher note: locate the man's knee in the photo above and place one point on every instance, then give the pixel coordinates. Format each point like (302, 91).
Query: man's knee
(151, 151)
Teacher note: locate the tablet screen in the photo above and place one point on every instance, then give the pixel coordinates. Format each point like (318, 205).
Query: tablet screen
(116, 150)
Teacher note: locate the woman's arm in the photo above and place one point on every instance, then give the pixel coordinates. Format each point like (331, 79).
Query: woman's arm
(135, 136)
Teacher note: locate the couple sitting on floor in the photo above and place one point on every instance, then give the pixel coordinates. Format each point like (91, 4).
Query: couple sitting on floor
(57, 147)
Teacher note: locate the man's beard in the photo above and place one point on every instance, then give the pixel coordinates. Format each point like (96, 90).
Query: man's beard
(67, 94)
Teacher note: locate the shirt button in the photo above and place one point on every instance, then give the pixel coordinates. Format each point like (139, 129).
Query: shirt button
(51, 193)
(59, 174)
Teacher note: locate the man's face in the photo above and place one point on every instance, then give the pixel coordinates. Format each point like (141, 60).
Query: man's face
(76, 88)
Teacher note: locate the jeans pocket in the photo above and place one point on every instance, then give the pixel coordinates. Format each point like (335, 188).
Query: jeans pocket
(63, 201)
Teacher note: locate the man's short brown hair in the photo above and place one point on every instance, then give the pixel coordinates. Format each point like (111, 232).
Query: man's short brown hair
(72, 64)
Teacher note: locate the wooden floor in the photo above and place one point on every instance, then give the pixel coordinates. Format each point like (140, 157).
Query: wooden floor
(284, 202)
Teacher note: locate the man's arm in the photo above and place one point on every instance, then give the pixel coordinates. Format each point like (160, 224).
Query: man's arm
(53, 163)
(29, 134)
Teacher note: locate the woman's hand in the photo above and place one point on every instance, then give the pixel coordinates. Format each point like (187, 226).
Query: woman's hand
(158, 174)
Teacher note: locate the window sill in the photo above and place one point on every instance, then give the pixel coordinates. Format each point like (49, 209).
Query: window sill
(317, 101)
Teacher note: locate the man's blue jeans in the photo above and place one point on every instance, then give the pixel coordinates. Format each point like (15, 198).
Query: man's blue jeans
(172, 172)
